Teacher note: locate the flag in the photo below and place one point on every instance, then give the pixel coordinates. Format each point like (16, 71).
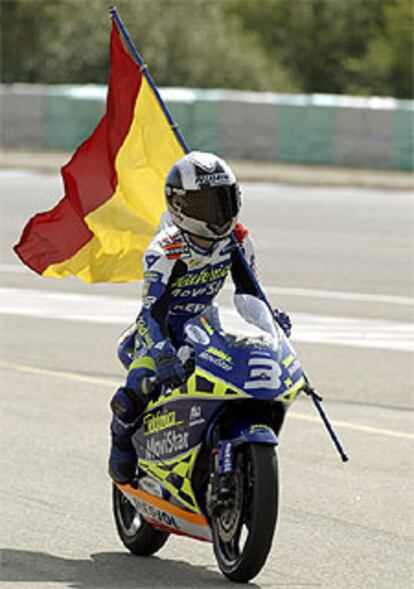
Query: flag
(114, 186)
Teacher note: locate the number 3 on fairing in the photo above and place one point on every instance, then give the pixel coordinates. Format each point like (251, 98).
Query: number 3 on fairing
(264, 374)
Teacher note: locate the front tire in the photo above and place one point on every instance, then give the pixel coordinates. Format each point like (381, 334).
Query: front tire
(135, 533)
(243, 534)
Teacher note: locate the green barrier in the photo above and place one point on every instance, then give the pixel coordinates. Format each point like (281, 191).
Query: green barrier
(182, 113)
(205, 135)
(305, 133)
(70, 118)
(198, 122)
(310, 129)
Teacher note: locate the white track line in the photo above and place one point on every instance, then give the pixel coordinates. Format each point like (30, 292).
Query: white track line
(309, 328)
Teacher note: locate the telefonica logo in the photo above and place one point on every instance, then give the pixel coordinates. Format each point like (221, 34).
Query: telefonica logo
(203, 277)
(159, 421)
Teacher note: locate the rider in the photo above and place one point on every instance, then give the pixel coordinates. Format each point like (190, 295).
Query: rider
(185, 266)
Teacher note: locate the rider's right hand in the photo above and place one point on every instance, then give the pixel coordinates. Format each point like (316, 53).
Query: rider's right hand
(169, 368)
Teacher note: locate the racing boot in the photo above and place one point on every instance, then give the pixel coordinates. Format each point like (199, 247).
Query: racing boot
(127, 407)
(122, 456)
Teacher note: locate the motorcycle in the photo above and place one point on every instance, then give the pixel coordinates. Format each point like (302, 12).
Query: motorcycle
(207, 462)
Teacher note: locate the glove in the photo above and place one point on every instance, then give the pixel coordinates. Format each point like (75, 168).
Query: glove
(283, 320)
(127, 404)
(170, 369)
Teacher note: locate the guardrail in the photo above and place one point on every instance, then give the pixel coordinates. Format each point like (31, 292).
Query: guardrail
(315, 129)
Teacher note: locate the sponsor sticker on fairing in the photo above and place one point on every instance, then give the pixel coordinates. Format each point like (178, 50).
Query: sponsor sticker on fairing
(195, 416)
(156, 514)
(207, 357)
(218, 358)
(169, 443)
(197, 334)
(150, 486)
(159, 421)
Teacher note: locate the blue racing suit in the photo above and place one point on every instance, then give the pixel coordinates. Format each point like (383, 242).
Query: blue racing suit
(181, 280)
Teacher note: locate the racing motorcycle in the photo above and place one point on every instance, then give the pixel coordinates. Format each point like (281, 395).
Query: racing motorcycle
(207, 464)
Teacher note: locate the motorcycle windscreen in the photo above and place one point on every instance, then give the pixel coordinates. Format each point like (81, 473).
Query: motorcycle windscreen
(257, 313)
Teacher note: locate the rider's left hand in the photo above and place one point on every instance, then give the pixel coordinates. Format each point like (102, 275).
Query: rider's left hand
(283, 320)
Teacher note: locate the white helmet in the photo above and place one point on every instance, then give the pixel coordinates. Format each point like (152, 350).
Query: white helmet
(203, 196)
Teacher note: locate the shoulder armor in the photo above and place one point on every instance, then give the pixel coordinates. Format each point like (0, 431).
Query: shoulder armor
(173, 244)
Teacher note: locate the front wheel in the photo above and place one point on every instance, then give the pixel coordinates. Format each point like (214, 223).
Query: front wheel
(135, 533)
(243, 531)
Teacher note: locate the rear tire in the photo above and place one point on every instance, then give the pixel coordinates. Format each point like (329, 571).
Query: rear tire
(253, 515)
(135, 533)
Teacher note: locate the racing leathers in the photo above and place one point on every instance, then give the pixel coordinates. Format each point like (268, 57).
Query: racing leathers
(181, 280)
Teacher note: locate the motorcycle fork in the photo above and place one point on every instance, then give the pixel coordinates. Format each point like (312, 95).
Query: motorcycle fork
(222, 473)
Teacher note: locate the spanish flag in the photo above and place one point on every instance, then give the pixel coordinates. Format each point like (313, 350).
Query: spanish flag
(114, 186)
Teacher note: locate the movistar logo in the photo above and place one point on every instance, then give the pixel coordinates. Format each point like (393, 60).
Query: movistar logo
(168, 443)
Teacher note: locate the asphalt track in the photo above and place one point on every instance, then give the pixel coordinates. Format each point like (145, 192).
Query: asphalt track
(340, 261)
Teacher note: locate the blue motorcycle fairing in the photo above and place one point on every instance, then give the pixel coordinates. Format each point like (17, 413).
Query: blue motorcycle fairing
(177, 424)
(168, 443)
(253, 433)
(243, 433)
(252, 365)
(173, 428)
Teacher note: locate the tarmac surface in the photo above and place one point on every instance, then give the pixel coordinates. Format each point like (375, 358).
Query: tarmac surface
(340, 261)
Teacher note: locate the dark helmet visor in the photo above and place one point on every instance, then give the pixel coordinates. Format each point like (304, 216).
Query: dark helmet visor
(217, 206)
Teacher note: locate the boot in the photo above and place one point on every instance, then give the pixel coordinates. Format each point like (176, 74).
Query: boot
(127, 406)
(122, 456)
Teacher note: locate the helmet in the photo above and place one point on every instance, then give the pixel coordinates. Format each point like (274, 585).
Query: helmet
(202, 195)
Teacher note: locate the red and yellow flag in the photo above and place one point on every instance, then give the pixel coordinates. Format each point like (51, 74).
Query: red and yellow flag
(114, 187)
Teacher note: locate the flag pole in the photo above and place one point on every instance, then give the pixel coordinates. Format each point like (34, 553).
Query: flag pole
(144, 69)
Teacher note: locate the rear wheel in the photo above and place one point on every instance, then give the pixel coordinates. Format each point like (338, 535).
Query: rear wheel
(135, 533)
(243, 531)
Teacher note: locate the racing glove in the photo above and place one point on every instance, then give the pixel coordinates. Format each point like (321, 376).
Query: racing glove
(169, 368)
(283, 320)
(127, 404)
